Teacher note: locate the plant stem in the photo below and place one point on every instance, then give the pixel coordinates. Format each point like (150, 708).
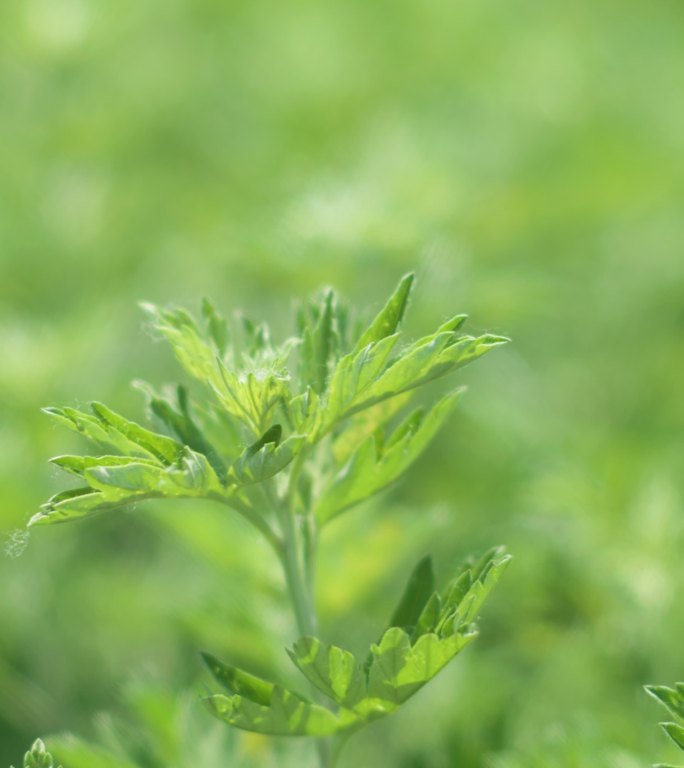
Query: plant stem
(300, 594)
(296, 556)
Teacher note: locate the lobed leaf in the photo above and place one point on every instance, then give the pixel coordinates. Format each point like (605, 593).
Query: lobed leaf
(334, 671)
(376, 463)
(403, 661)
(426, 360)
(399, 669)
(369, 376)
(111, 486)
(287, 715)
(423, 636)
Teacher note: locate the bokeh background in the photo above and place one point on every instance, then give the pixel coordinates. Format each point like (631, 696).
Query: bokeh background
(527, 159)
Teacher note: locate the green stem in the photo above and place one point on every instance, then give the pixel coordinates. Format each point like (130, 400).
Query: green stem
(295, 556)
(300, 594)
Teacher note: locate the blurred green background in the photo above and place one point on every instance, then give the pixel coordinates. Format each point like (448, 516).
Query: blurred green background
(527, 159)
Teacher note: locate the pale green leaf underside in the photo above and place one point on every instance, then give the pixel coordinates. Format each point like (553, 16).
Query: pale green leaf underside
(400, 664)
(210, 455)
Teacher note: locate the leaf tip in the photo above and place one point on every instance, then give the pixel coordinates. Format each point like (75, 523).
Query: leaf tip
(40, 518)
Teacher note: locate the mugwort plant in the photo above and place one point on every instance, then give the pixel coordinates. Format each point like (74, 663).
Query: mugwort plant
(291, 436)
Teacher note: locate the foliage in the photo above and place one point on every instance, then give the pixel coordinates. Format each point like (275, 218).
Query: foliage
(38, 757)
(673, 700)
(290, 436)
(527, 158)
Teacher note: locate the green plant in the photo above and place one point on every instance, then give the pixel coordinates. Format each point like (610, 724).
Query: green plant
(673, 700)
(293, 436)
(38, 757)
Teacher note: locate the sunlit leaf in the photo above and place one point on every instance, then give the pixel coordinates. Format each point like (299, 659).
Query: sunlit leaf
(111, 485)
(332, 670)
(287, 715)
(388, 319)
(373, 466)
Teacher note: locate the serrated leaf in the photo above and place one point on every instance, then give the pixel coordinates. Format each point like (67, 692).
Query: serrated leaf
(287, 715)
(367, 473)
(334, 671)
(390, 316)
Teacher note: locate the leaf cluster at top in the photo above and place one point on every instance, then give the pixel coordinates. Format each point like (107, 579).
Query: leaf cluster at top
(270, 405)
